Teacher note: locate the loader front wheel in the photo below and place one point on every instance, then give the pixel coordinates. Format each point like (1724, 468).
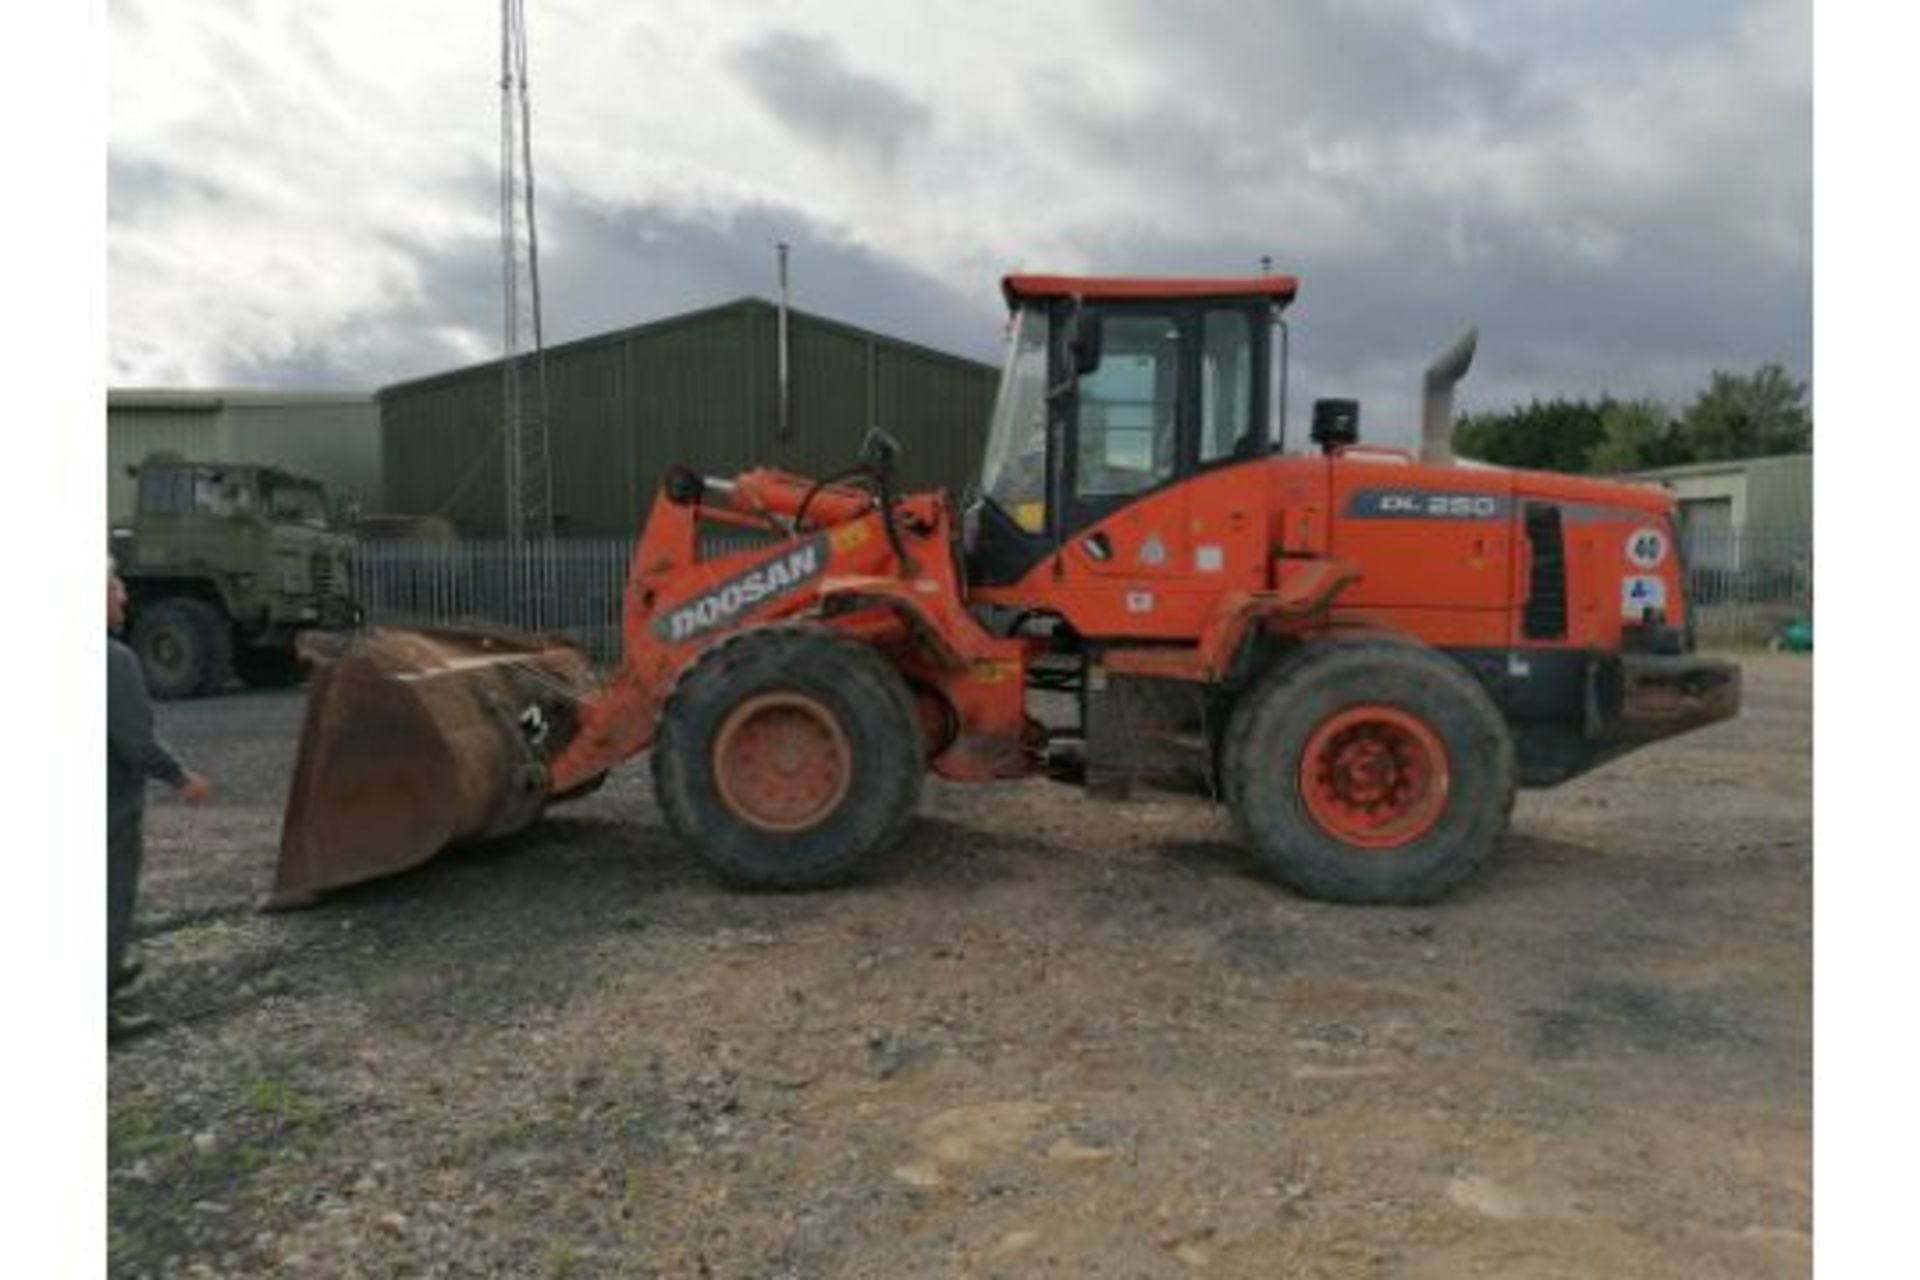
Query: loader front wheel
(1369, 771)
(788, 754)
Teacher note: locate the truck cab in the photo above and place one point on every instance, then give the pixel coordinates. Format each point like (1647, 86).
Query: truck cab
(225, 564)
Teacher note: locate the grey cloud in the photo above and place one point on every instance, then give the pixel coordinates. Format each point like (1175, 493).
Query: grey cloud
(1246, 103)
(1655, 322)
(1238, 99)
(1677, 303)
(1332, 67)
(1186, 145)
(310, 367)
(137, 187)
(1684, 283)
(608, 268)
(1617, 29)
(805, 84)
(616, 267)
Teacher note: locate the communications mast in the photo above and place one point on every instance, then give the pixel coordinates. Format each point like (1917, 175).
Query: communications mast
(529, 496)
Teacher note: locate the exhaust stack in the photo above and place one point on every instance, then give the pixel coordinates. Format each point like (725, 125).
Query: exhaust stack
(1436, 402)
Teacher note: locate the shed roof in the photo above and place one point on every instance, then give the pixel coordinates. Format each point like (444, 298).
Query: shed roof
(685, 319)
(209, 399)
(1726, 466)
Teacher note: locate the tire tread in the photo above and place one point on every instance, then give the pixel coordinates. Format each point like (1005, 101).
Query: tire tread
(1321, 878)
(785, 643)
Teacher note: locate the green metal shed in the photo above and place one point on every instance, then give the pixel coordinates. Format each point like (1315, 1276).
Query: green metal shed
(334, 437)
(1746, 493)
(699, 389)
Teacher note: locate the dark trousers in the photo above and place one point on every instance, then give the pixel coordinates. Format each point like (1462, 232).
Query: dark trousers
(123, 885)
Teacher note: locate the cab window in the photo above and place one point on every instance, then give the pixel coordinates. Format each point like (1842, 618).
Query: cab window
(296, 503)
(219, 493)
(1226, 385)
(1014, 473)
(1127, 407)
(166, 491)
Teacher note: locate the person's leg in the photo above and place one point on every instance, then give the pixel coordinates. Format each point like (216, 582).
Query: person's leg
(123, 885)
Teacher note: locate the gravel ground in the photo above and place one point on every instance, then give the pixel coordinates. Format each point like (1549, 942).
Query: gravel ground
(1044, 1037)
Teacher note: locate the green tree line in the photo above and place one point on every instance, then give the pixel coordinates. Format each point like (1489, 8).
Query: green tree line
(1752, 415)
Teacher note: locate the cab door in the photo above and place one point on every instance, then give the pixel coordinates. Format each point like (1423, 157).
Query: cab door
(1124, 431)
(1163, 514)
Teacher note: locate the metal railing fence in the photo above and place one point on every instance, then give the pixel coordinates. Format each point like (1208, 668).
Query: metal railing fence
(1743, 584)
(570, 587)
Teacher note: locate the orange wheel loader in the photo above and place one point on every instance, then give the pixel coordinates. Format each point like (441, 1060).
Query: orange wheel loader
(1361, 651)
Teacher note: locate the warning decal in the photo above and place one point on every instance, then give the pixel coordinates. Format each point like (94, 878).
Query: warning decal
(1647, 548)
(1641, 592)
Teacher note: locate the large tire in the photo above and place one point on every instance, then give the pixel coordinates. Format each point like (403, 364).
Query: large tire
(269, 668)
(788, 754)
(1369, 771)
(185, 647)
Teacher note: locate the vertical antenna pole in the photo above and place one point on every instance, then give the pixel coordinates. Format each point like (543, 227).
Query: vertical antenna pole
(529, 484)
(784, 427)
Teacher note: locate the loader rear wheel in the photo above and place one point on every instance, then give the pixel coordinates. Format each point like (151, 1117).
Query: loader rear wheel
(1369, 771)
(787, 754)
(185, 647)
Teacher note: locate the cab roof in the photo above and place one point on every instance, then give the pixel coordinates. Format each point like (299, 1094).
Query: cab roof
(1280, 289)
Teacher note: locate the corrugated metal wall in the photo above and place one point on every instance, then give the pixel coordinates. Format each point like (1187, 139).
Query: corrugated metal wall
(1780, 491)
(699, 389)
(1726, 485)
(133, 434)
(1772, 493)
(336, 442)
(440, 449)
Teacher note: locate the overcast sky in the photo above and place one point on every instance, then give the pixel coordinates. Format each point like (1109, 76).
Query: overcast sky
(1618, 193)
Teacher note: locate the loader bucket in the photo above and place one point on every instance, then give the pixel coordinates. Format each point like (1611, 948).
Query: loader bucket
(418, 739)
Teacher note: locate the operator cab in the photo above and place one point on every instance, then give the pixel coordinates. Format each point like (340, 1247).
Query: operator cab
(1114, 389)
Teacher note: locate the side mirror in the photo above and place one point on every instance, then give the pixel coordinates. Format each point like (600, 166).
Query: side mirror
(878, 451)
(1083, 338)
(1336, 424)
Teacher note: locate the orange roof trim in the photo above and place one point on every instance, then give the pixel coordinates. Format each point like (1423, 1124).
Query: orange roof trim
(1278, 288)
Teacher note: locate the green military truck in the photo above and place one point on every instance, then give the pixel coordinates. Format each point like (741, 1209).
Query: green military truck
(225, 563)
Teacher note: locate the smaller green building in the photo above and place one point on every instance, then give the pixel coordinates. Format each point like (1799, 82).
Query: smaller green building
(700, 389)
(332, 437)
(1742, 493)
(1743, 508)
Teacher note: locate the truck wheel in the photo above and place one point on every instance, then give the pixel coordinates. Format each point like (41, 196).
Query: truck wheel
(1370, 771)
(787, 754)
(185, 647)
(269, 668)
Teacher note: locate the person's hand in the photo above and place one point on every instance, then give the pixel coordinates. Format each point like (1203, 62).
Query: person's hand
(196, 790)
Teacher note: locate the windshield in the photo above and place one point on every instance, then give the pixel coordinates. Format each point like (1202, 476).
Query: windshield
(222, 493)
(1015, 472)
(296, 503)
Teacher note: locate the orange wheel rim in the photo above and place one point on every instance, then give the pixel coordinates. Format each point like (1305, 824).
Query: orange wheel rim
(1375, 777)
(781, 762)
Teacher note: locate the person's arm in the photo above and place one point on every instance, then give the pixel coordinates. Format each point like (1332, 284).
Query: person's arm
(130, 723)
